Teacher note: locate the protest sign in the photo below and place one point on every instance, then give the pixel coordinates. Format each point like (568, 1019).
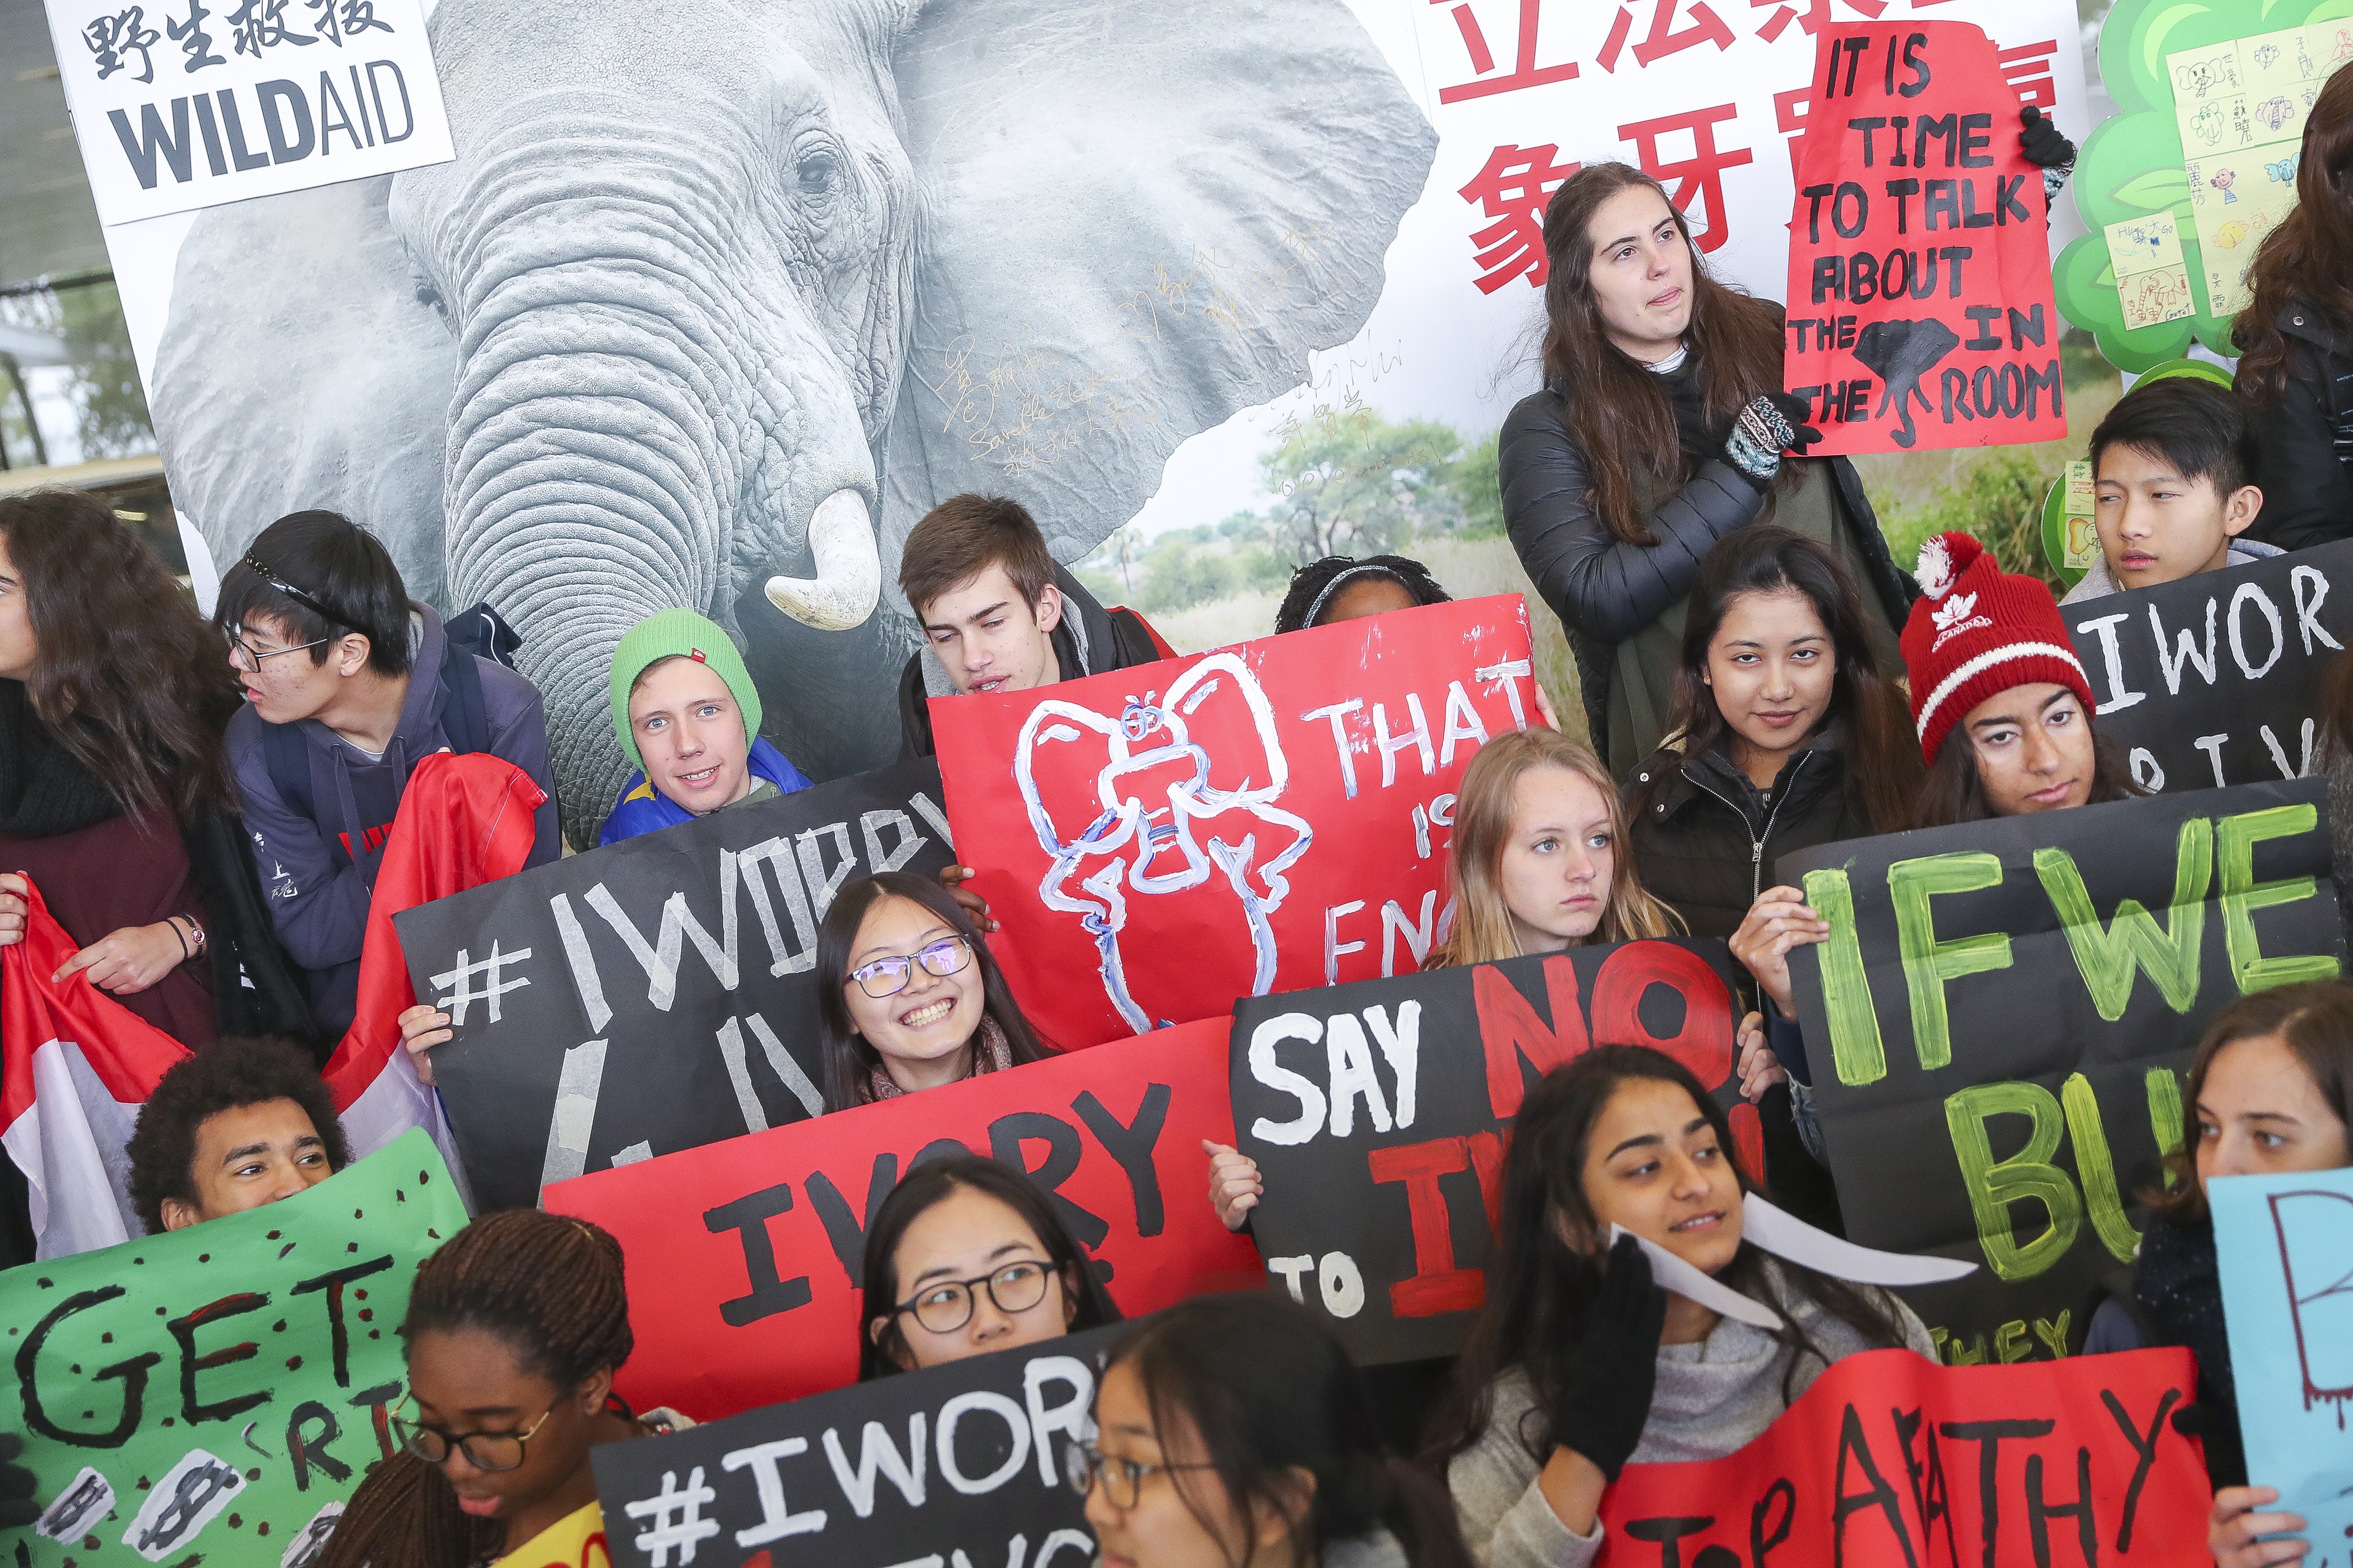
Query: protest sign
(1377, 1113)
(1997, 1022)
(173, 113)
(1891, 1461)
(1267, 818)
(1919, 305)
(2283, 1246)
(210, 1393)
(2218, 679)
(744, 1257)
(958, 1463)
(657, 994)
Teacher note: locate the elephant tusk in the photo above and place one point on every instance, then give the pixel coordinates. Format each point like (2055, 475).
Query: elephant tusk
(849, 568)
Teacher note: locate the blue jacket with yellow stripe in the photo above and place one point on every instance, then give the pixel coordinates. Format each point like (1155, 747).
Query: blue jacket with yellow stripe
(642, 808)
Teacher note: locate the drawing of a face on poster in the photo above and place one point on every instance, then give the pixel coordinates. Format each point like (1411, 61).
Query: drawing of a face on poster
(1168, 814)
(719, 297)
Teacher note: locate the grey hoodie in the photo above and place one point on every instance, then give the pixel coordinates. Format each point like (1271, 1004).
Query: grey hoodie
(2096, 583)
(1710, 1398)
(318, 874)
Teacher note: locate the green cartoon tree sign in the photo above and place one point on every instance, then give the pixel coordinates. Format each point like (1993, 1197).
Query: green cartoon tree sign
(2132, 166)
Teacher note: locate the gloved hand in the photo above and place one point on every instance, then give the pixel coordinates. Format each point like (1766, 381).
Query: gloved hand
(1796, 410)
(18, 1506)
(2043, 144)
(1602, 1415)
(1765, 429)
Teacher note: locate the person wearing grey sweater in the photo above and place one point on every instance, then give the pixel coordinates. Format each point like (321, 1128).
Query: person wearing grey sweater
(1710, 1398)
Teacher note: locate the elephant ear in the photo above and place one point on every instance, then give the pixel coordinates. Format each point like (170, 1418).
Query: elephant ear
(1137, 221)
(299, 367)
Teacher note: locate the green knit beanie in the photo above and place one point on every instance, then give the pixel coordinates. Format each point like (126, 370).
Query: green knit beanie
(668, 631)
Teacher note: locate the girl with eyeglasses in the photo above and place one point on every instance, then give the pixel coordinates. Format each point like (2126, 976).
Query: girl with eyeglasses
(515, 1329)
(1232, 1432)
(967, 1257)
(912, 999)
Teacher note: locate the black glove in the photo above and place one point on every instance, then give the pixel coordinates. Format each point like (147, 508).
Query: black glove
(18, 1505)
(2042, 142)
(1602, 1415)
(1796, 410)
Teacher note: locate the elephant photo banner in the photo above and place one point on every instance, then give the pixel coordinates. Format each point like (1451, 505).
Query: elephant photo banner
(1271, 816)
(960, 1463)
(745, 1256)
(181, 105)
(1998, 1027)
(1919, 305)
(656, 993)
(2220, 678)
(1378, 1112)
(1891, 1461)
(216, 1393)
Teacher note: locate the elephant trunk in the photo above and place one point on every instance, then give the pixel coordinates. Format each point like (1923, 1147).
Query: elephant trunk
(606, 462)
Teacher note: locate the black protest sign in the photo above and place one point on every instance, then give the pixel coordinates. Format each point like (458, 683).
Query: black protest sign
(2216, 679)
(1999, 1022)
(961, 1463)
(1376, 1114)
(657, 994)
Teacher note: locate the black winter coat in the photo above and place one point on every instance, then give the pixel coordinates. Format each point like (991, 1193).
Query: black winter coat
(1605, 590)
(1089, 641)
(1704, 839)
(2304, 445)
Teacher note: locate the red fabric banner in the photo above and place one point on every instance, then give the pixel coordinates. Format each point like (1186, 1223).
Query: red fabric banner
(1159, 841)
(744, 1257)
(1892, 1461)
(1920, 311)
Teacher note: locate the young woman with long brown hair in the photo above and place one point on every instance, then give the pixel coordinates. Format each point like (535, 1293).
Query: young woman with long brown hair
(1661, 428)
(115, 794)
(2295, 338)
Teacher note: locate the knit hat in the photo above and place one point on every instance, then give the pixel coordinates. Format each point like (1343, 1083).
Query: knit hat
(672, 632)
(1976, 632)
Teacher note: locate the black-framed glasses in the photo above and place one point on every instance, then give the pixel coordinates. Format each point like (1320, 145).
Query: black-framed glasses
(1123, 1478)
(943, 1306)
(888, 976)
(253, 656)
(489, 1451)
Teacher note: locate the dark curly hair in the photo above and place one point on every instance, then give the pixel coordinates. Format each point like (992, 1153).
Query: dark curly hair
(1309, 583)
(224, 1075)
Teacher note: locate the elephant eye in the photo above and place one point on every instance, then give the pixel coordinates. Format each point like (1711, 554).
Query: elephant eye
(818, 170)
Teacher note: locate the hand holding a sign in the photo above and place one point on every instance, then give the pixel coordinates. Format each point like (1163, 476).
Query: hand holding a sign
(1234, 1184)
(953, 878)
(1758, 1067)
(12, 908)
(1778, 920)
(2234, 1530)
(1794, 411)
(422, 1027)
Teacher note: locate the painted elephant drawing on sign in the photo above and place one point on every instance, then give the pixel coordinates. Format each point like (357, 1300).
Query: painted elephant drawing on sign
(719, 297)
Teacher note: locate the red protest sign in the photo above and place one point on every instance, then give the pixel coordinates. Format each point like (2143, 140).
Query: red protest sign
(1920, 312)
(744, 1257)
(1161, 840)
(1892, 1461)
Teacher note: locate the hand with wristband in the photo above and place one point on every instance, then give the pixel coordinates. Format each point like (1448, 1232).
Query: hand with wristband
(135, 957)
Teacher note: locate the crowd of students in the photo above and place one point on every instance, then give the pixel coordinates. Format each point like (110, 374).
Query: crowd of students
(1759, 676)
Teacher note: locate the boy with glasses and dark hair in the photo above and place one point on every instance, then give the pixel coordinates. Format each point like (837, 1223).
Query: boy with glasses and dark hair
(348, 684)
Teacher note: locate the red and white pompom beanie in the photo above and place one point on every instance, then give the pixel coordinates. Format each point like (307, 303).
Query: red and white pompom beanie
(1976, 632)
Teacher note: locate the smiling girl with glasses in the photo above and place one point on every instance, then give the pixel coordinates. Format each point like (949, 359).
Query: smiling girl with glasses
(911, 997)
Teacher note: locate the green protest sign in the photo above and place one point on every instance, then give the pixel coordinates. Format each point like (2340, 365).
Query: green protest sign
(216, 1392)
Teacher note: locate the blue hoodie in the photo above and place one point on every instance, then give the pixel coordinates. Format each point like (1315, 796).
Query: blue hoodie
(643, 808)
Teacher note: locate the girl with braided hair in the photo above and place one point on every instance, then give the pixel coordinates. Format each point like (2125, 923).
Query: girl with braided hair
(513, 1331)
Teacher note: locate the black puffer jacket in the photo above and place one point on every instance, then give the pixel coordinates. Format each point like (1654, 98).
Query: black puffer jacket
(1704, 839)
(2306, 444)
(1605, 590)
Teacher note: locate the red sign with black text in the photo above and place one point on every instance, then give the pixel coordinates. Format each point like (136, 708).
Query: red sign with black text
(1892, 1461)
(1920, 313)
(1159, 841)
(745, 1256)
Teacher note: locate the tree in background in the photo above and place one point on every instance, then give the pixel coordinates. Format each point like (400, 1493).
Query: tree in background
(1354, 484)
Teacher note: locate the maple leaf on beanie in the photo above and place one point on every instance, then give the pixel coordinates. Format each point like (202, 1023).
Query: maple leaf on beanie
(1976, 632)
